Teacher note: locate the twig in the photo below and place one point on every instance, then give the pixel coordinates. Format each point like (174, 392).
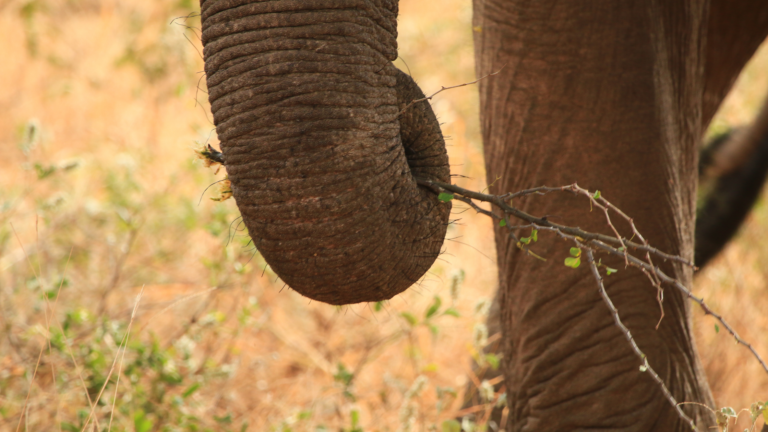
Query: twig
(499, 201)
(645, 267)
(646, 367)
(442, 89)
(674, 282)
(591, 242)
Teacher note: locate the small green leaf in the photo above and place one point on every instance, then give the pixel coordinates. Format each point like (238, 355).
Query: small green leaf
(596, 195)
(43, 172)
(434, 329)
(452, 312)
(493, 360)
(503, 223)
(765, 414)
(378, 306)
(227, 419)
(141, 423)
(535, 235)
(191, 389)
(343, 375)
(609, 271)
(643, 368)
(572, 262)
(525, 240)
(450, 426)
(433, 308)
(575, 252)
(728, 411)
(410, 318)
(355, 417)
(445, 197)
(717, 328)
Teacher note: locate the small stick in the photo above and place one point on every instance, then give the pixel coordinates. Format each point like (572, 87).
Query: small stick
(646, 366)
(442, 89)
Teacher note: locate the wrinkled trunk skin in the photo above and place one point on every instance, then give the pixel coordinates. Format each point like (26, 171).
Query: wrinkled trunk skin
(306, 100)
(609, 95)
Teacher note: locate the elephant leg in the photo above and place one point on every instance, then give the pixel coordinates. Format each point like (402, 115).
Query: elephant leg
(606, 94)
(734, 31)
(732, 171)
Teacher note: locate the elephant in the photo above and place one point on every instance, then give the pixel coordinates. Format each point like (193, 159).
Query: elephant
(324, 145)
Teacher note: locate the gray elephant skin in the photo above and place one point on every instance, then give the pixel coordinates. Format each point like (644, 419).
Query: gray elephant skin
(614, 95)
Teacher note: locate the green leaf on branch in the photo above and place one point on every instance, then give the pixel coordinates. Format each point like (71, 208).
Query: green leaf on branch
(609, 271)
(43, 171)
(533, 237)
(141, 423)
(503, 223)
(572, 262)
(343, 375)
(355, 420)
(378, 306)
(717, 328)
(576, 252)
(643, 368)
(493, 360)
(452, 312)
(191, 389)
(410, 318)
(445, 197)
(596, 195)
(434, 329)
(433, 308)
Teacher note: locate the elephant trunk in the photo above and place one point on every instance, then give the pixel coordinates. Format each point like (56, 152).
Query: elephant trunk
(306, 104)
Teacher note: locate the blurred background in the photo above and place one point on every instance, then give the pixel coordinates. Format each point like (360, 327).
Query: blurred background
(102, 197)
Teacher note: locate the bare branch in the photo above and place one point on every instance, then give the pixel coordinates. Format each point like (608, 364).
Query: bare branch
(646, 367)
(588, 240)
(442, 89)
(499, 201)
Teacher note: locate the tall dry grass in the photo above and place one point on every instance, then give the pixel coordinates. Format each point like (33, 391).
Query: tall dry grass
(100, 197)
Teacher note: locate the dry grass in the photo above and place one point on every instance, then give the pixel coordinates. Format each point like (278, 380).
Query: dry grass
(112, 85)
